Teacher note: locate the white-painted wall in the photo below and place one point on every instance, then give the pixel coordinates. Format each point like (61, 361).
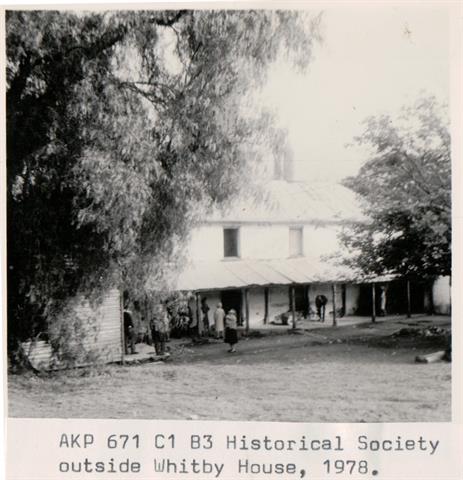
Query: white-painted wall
(264, 241)
(278, 301)
(441, 295)
(352, 297)
(256, 298)
(261, 241)
(320, 240)
(270, 241)
(206, 243)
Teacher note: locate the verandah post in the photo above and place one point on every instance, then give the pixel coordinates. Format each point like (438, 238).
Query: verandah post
(343, 299)
(431, 298)
(243, 308)
(246, 308)
(307, 301)
(409, 300)
(333, 291)
(373, 302)
(198, 314)
(266, 293)
(293, 305)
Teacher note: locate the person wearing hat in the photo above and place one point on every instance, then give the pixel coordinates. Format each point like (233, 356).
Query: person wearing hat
(219, 317)
(231, 333)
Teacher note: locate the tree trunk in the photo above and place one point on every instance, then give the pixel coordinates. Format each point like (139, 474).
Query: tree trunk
(409, 300)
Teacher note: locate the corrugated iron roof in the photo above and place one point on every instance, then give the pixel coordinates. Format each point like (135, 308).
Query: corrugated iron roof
(220, 275)
(295, 202)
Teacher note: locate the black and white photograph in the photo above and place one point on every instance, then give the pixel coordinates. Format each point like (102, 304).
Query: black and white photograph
(229, 214)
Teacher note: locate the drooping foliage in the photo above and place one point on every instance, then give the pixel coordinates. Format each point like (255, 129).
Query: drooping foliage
(406, 189)
(121, 127)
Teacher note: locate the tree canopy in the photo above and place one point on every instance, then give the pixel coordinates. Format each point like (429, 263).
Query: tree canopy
(121, 126)
(406, 191)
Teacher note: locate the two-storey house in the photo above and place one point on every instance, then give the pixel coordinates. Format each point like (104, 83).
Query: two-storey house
(267, 257)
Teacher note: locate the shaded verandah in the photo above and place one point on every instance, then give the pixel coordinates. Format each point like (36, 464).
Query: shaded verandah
(292, 273)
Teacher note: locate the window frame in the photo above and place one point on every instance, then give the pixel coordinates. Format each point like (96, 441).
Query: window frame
(238, 242)
(300, 253)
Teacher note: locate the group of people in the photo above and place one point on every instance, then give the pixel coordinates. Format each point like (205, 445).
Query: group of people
(225, 327)
(225, 324)
(159, 324)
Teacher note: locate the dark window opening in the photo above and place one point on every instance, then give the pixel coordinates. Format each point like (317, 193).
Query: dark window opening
(230, 242)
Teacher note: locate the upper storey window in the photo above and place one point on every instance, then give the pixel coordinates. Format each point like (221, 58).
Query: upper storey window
(295, 241)
(231, 242)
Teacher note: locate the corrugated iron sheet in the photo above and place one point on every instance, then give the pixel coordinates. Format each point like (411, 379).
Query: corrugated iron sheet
(105, 341)
(245, 273)
(298, 202)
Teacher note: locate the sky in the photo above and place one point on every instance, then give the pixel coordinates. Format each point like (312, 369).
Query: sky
(373, 60)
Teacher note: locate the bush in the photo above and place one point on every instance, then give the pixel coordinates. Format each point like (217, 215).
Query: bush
(73, 338)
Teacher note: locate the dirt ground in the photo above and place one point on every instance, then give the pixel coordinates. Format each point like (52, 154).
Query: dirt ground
(358, 373)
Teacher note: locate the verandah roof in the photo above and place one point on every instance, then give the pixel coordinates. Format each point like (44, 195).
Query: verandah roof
(225, 274)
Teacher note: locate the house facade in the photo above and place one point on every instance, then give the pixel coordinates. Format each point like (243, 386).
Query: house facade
(274, 256)
(264, 258)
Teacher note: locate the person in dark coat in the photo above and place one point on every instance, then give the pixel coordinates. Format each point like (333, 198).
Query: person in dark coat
(129, 333)
(193, 315)
(205, 310)
(320, 303)
(160, 329)
(231, 333)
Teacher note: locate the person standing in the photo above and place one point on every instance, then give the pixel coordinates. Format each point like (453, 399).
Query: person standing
(320, 303)
(382, 301)
(219, 317)
(129, 333)
(205, 309)
(231, 333)
(160, 329)
(192, 314)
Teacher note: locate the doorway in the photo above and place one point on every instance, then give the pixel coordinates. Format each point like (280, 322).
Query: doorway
(301, 299)
(232, 299)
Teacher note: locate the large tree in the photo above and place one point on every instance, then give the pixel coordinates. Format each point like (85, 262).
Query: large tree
(121, 126)
(405, 187)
